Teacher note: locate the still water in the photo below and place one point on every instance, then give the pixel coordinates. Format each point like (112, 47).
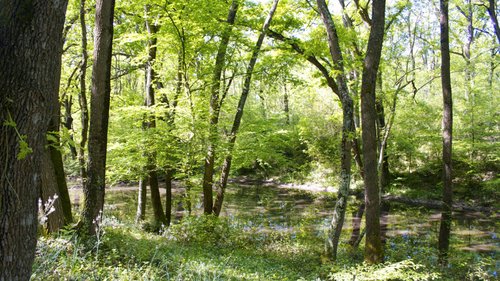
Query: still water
(269, 207)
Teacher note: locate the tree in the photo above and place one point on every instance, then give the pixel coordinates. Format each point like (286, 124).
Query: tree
(57, 161)
(493, 16)
(348, 129)
(30, 65)
(373, 244)
(226, 166)
(82, 97)
(99, 115)
(215, 109)
(445, 226)
(150, 119)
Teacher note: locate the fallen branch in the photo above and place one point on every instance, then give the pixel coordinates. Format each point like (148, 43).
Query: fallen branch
(436, 204)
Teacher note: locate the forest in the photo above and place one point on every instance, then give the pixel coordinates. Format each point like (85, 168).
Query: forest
(249, 140)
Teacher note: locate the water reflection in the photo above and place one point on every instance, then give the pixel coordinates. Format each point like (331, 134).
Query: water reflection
(273, 208)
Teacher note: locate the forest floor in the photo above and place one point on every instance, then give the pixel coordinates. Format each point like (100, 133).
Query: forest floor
(273, 234)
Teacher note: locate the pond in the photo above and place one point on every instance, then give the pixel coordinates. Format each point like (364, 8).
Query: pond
(270, 207)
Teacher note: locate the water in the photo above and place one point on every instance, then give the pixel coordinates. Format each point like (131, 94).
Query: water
(283, 209)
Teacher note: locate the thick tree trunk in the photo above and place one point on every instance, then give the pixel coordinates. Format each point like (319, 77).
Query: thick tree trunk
(373, 243)
(99, 115)
(226, 167)
(30, 64)
(445, 227)
(82, 97)
(220, 60)
(160, 218)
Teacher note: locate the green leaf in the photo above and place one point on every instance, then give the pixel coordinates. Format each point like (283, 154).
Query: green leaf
(24, 149)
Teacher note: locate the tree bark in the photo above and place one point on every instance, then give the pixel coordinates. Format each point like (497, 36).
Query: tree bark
(445, 226)
(347, 132)
(286, 105)
(494, 20)
(99, 115)
(226, 167)
(214, 110)
(30, 65)
(373, 244)
(58, 165)
(150, 120)
(82, 97)
(49, 196)
(140, 215)
(356, 225)
(168, 197)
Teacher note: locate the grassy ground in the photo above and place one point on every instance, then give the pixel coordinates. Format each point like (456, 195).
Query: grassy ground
(210, 249)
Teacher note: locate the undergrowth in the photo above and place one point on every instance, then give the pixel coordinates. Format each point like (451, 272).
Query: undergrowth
(207, 248)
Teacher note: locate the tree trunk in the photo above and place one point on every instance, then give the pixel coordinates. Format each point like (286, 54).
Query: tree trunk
(30, 65)
(494, 19)
(160, 218)
(169, 174)
(150, 120)
(347, 132)
(68, 124)
(445, 226)
(49, 196)
(58, 165)
(286, 107)
(383, 161)
(226, 167)
(373, 244)
(141, 200)
(168, 197)
(383, 158)
(214, 110)
(356, 225)
(469, 77)
(99, 115)
(82, 97)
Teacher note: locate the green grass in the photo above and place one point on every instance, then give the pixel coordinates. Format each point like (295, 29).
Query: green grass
(202, 248)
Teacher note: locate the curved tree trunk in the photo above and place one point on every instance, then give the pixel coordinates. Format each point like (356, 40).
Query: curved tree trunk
(30, 65)
(348, 130)
(220, 61)
(99, 115)
(226, 167)
(55, 181)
